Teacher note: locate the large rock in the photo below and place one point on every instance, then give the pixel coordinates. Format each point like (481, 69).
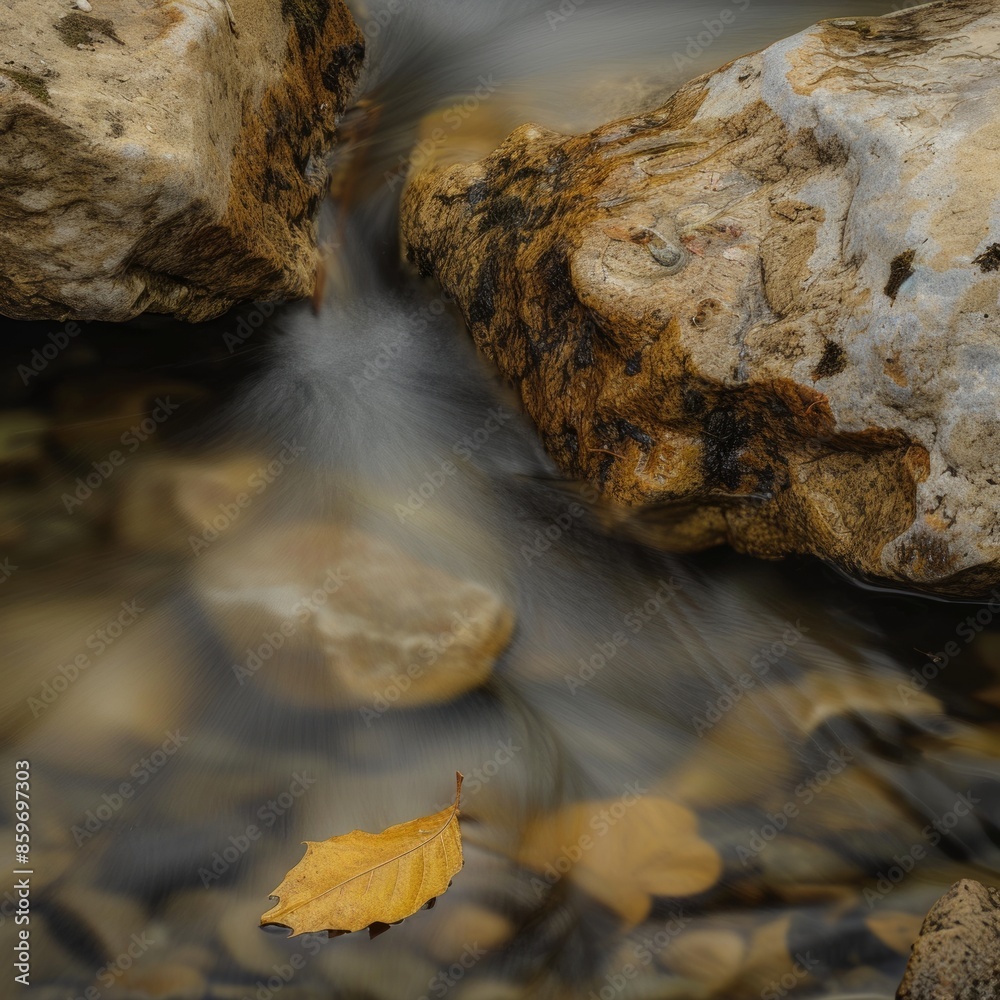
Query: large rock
(957, 956)
(168, 156)
(767, 312)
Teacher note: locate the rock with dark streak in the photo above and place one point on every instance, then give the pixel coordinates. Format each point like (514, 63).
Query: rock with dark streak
(165, 156)
(765, 313)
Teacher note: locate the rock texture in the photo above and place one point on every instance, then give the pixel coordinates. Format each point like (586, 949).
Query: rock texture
(957, 956)
(165, 156)
(766, 312)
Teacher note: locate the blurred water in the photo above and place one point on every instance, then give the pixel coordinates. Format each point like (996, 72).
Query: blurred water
(790, 768)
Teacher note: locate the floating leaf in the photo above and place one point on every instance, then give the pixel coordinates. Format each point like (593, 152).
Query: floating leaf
(363, 879)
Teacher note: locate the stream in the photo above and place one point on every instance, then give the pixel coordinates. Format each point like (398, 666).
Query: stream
(688, 776)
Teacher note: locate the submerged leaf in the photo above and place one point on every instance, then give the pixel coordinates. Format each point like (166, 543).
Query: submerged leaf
(362, 879)
(624, 851)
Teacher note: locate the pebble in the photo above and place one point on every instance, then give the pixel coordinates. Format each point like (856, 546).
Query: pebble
(83, 5)
(895, 929)
(488, 928)
(490, 989)
(240, 936)
(712, 957)
(161, 981)
(768, 960)
(22, 438)
(108, 919)
(109, 717)
(166, 499)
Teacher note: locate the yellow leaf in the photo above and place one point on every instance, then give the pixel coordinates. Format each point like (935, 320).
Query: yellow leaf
(359, 879)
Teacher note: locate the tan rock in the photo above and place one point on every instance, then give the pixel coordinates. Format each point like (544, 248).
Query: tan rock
(798, 869)
(76, 699)
(488, 928)
(707, 956)
(22, 439)
(257, 953)
(957, 956)
(166, 157)
(895, 929)
(183, 504)
(770, 966)
(765, 313)
(160, 981)
(778, 720)
(326, 615)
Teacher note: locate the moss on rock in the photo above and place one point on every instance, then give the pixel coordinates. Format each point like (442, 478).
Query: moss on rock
(33, 84)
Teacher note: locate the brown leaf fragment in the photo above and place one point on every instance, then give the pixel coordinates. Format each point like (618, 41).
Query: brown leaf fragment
(362, 879)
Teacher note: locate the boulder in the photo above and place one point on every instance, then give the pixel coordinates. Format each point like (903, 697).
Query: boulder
(957, 956)
(765, 313)
(165, 156)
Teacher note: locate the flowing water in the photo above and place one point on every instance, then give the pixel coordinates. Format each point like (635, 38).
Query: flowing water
(686, 777)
